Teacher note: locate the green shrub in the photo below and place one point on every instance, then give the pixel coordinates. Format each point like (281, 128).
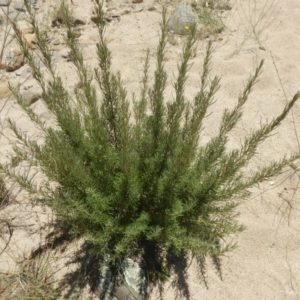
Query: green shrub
(130, 175)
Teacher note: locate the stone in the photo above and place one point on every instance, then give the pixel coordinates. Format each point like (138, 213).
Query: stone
(23, 72)
(27, 86)
(65, 53)
(2, 65)
(46, 116)
(5, 10)
(24, 27)
(135, 279)
(32, 2)
(182, 20)
(26, 30)
(124, 292)
(30, 39)
(14, 60)
(138, 9)
(56, 56)
(78, 20)
(132, 283)
(5, 2)
(5, 92)
(137, 1)
(29, 98)
(19, 6)
(16, 16)
(56, 41)
(105, 285)
(77, 32)
(95, 19)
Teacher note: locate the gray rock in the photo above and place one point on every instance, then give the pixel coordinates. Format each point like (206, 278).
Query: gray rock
(17, 16)
(19, 6)
(29, 98)
(46, 116)
(27, 86)
(138, 9)
(133, 288)
(56, 57)
(56, 41)
(78, 20)
(14, 60)
(24, 27)
(5, 11)
(182, 19)
(105, 286)
(25, 71)
(5, 2)
(124, 292)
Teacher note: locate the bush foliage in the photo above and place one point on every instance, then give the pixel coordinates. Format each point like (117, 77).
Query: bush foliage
(131, 176)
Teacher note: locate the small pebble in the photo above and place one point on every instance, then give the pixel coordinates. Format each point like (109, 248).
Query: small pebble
(19, 6)
(4, 2)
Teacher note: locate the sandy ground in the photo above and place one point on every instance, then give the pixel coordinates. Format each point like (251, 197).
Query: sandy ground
(266, 263)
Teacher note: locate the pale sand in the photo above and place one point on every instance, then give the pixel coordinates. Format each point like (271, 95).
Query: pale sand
(266, 264)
